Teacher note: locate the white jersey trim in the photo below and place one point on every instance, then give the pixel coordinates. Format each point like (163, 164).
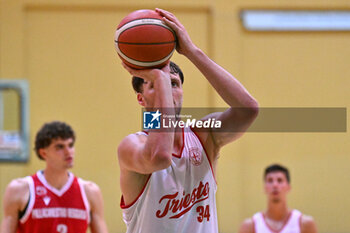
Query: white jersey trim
(141, 133)
(53, 189)
(31, 200)
(85, 200)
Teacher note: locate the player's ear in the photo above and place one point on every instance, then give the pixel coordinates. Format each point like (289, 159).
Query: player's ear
(140, 99)
(42, 153)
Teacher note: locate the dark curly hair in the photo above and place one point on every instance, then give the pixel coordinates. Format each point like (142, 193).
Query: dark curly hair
(277, 168)
(174, 69)
(50, 131)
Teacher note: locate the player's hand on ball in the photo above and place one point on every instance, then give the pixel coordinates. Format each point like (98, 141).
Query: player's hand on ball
(184, 43)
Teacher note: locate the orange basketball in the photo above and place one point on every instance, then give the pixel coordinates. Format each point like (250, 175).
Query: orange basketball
(143, 40)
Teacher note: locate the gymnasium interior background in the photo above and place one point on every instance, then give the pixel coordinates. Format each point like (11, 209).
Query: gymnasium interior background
(65, 50)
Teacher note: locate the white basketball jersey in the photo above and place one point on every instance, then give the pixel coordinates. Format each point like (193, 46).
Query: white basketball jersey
(292, 225)
(180, 198)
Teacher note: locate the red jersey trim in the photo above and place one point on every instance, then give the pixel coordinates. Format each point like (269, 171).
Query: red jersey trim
(284, 224)
(206, 153)
(122, 203)
(31, 200)
(183, 145)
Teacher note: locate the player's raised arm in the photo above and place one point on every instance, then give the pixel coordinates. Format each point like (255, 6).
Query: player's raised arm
(16, 195)
(243, 107)
(146, 156)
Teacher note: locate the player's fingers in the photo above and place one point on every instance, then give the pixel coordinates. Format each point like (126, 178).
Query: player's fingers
(164, 12)
(171, 24)
(168, 15)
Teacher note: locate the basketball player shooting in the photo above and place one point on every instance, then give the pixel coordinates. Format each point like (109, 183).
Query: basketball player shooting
(53, 200)
(168, 178)
(278, 217)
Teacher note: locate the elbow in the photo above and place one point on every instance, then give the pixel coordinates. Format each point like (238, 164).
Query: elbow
(161, 160)
(158, 156)
(247, 113)
(251, 110)
(164, 160)
(254, 109)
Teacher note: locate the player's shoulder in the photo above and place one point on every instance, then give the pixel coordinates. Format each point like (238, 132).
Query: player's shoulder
(18, 185)
(93, 192)
(131, 141)
(134, 138)
(307, 218)
(16, 190)
(248, 222)
(247, 226)
(89, 186)
(307, 224)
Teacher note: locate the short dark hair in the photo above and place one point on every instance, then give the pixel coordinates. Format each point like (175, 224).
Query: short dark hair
(50, 131)
(277, 168)
(174, 69)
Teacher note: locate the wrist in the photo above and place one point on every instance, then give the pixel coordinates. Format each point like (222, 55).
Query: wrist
(193, 52)
(160, 77)
(155, 74)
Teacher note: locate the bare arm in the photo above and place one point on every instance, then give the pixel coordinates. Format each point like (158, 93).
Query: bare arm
(94, 196)
(247, 226)
(15, 198)
(243, 107)
(146, 156)
(308, 224)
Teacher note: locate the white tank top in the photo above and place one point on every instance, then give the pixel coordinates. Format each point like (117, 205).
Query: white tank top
(180, 198)
(292, 225)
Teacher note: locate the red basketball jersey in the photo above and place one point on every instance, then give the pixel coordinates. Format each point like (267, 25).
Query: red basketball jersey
(55, 211)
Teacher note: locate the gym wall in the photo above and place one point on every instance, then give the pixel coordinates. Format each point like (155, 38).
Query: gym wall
(66, 52)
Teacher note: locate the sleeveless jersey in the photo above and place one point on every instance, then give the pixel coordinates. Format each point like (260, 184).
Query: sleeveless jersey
(55, 211)
(180, 198)
(292, 225)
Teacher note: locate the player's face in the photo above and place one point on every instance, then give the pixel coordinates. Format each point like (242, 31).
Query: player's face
(276, 186)
(59, 154)
(148, 93)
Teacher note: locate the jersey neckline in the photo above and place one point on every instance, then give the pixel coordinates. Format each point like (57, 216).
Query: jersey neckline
(58, 192)
(283, 226)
